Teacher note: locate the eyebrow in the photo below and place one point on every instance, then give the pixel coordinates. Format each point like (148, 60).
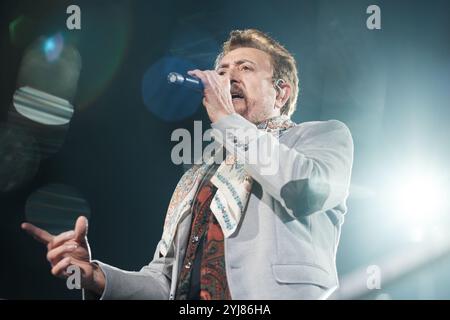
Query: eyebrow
(239, 62)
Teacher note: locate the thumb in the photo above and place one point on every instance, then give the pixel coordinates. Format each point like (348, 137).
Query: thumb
(81, 228)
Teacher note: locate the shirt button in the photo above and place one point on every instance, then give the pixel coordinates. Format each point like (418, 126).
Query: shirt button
(235, 139)
(188, 265)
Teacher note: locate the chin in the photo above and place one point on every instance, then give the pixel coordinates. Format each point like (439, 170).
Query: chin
(240, 108)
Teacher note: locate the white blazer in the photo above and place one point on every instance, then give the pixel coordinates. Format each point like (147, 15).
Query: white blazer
(285, 245)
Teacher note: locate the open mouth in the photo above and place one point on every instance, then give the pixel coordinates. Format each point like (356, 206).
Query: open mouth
(237, 96)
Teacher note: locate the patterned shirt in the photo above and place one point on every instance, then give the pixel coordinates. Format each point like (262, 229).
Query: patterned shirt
(203, 275)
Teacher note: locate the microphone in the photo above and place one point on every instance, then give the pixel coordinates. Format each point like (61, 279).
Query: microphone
(186, 81)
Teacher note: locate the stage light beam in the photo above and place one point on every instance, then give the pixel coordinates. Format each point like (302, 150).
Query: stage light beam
(417, 201)
(420, 195)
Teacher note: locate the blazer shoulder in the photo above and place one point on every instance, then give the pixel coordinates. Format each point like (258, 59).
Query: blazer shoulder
(314, 128)
(322, 125)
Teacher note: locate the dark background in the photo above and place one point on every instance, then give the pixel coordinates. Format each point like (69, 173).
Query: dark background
(390, 86)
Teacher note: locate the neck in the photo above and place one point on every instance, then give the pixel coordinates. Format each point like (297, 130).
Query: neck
(273, 117)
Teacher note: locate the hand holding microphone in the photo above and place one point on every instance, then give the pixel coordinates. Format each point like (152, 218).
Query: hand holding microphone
(215, 88)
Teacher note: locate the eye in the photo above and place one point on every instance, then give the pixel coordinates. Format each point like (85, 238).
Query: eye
(221, 72)
(246, 68)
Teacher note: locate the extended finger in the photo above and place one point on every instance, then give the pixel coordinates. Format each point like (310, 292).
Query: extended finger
(37, 233)
(81, 229)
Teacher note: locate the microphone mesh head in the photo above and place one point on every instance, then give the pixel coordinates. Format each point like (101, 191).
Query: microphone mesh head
(174, 77)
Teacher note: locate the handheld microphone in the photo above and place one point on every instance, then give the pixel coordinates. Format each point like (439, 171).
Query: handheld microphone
(186, 81)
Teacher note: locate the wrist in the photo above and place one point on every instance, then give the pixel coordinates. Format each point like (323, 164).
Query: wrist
(97, 283)
(220, 116)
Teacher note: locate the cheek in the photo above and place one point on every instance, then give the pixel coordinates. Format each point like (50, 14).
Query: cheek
(264, 95)
(257, 91)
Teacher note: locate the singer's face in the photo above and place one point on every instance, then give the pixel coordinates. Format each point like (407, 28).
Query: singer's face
(253, 94)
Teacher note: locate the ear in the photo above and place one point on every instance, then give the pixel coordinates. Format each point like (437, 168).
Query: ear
(283, 93)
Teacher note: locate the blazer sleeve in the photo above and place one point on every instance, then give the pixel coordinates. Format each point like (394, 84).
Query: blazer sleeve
(311, 175)
(151, 282)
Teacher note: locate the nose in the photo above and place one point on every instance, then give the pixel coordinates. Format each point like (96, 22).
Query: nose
(234, 78)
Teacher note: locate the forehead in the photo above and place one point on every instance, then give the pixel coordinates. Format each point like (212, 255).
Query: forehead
(259, 57)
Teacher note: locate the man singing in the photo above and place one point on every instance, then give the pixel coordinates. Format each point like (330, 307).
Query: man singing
(234, 229)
